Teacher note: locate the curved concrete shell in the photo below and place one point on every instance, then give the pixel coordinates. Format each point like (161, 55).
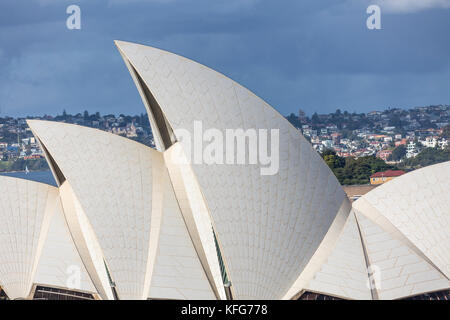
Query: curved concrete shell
(268, 226)
(112, 178)
(138, 223)
(405, 225)
(35, 244)
(26, 209)
(397, 271)
(416, 207)
(393, 242)
(344, 273)
(124, 190)
(60, 264)
(178, 273)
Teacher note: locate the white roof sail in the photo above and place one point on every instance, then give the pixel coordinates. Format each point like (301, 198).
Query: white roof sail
(196, 216)
(60, 264)
(344, 274)
(178, 273)
(416, 206)
(114, 180)
(85, 241)
(269, 226)
(26, 208)
(397, 271)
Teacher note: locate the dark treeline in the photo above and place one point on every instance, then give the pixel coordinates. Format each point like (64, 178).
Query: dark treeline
(354, 171)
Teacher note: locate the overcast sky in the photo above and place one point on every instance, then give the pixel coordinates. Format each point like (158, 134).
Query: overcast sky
(309, 54)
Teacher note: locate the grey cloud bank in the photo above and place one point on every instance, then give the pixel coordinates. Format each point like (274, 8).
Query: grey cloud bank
(314, 56)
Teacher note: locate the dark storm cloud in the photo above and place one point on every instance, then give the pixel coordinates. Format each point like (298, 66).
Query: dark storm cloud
(316, 55)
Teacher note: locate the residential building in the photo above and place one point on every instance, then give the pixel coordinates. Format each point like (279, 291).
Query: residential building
(385, 176)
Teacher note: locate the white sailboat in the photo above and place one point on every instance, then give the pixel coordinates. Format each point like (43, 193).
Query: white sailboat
(26, 170)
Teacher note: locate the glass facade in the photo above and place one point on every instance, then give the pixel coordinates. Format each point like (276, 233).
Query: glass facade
(221, 264)
(49, 293)
(438, 295)
(316, 296)
(111, 282)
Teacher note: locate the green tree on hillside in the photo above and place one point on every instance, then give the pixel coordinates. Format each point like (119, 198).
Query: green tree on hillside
(333, 160)
(354, 171)
(428, 156)
(398, 153)
(446, 132)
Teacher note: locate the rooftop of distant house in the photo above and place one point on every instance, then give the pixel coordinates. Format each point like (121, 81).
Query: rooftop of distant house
(388, 173)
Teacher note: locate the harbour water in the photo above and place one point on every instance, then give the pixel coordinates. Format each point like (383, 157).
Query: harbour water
(39, 176)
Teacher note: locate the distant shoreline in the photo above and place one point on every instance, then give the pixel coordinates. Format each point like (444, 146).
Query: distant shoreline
(23, 171)
(42, 176)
